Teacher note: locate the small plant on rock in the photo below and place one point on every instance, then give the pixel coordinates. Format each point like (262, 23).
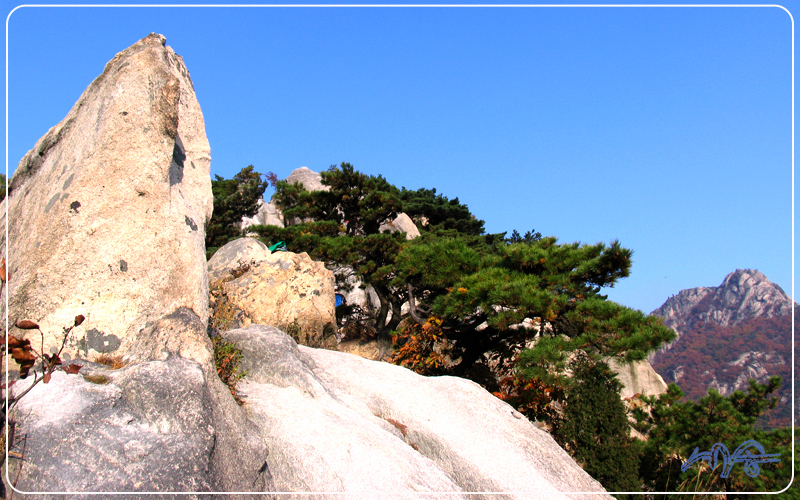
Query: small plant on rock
(41, 364)
(113, 362)
(293, 330)
(27, 357)
(228, 359)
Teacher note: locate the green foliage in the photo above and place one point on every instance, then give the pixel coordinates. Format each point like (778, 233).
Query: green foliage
(674, 429)
(506, 312)
(344, 232)
(2, 187)
(470, 283)
(233, 199)
(594, 428)
(294, 330)
(434, 212)
(227, 359)
(359, 202)
(530, 237)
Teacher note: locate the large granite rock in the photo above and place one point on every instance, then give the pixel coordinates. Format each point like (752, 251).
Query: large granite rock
(402, 223)
(336, 422)
(167, 425)
(310, 180)
(268, 215)
(121, 182)
(106, 220)
(638, 378)
(283, 289)
(233, 255)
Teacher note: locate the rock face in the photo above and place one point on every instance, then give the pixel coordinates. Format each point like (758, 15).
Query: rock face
(744, 294)
(107, 217)
(336, 422)
(310, 180)
(233, 255)
(125, 173)
(277, 289)
(350, 287)
(402, 223)
(638, 378)
(162, 425)
(268, 215)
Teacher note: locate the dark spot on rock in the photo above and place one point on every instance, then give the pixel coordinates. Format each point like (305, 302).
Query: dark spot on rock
(123, 266)
(190, 223)
(176, 167)
(124, 113)
(81, 346)
(52, 202)
(192, 164)
(67, 182)
(100, 342)
(74, 206)
(96, 378)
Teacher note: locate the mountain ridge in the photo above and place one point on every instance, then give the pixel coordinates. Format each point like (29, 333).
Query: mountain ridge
(727, 335)
(743, 295)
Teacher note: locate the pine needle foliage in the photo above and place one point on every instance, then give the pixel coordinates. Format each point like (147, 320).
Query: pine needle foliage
(360, 202)
(434, 212)
(674, 428)
(233, 199)
(594, 427)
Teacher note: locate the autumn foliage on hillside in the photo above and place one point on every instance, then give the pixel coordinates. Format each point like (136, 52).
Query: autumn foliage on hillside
(725, 357)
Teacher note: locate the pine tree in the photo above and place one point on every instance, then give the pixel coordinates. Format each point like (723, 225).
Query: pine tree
(233, 199)
(483, 289)
(674, 429)
(594, 428)
(360, 202)
(434, 212)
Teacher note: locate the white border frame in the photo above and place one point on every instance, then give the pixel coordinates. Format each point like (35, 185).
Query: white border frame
(794, 375)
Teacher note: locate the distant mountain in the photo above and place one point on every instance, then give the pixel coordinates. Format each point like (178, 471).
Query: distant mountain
(727, 335)
(744, 294)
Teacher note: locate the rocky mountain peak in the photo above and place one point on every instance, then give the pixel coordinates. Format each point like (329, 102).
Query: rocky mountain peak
(727, 335)
(743, 295)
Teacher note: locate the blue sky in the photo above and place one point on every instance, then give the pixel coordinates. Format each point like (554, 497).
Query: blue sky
(669, 129)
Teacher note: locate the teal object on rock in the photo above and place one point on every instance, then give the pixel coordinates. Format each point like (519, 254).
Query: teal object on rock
(278, 247)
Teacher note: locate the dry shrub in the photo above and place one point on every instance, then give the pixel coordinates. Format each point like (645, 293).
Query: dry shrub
(113, 362)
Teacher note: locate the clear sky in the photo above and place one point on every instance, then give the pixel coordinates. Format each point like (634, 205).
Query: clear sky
(669, 129)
